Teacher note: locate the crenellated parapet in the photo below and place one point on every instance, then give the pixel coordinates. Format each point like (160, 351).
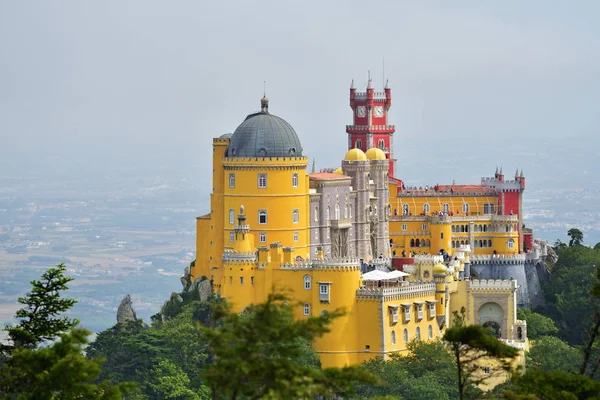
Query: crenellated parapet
(253, 163)
(504, 186)
(325, 264)
(491, 285)
(232, 257)
(498, 259)
(428, 259)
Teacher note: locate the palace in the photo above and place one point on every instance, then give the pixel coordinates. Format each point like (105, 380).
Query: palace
(399, 260)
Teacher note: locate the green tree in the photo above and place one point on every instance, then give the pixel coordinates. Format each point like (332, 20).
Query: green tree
(255, 357)
(576, 237)
(59, 371)
(537, 324)
(552, 385)
(40, 320)
(470, 344)
(597, 246)
(168, 381)
(550, 353)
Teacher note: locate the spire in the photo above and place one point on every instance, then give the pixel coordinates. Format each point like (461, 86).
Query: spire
(501, 173)
(522, 176)
(314, 166)
(517, 173)
(496, 170)
(352, 85)
(370, 83)
(387, 85)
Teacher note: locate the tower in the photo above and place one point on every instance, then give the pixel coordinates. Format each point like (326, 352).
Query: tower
(370, 126)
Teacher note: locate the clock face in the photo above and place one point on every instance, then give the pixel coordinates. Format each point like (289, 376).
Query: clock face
(361, 111)
(378, 111)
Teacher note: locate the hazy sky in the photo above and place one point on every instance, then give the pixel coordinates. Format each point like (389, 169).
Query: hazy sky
(151, 82)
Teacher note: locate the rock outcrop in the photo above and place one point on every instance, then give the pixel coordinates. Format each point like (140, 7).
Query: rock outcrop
(125, 312)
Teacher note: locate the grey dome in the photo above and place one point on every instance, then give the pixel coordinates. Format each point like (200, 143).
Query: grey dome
(264, 135)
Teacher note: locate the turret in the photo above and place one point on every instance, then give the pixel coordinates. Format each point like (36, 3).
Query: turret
(388, 96)
(439, 276)
(352, 93)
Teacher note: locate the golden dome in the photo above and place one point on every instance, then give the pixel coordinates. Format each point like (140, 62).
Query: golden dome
(355, 155)
(375, 153)
(439, 269)
(338, 171)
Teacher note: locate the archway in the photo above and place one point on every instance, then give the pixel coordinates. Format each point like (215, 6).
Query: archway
(491, 316)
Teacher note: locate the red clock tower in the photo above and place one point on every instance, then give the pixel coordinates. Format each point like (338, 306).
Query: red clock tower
(370, 127)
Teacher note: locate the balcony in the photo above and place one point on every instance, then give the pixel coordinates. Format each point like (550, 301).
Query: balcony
(344, 223)
(371, 128)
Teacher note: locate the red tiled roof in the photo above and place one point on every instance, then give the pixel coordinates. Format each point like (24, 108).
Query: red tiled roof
(327, 175)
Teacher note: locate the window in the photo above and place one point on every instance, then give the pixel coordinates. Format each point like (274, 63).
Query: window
(262, 180)
(307, 282)
(294, 180)
(486, 370)
(252, 280)
(337, 211)
(424, 227)
(231, 216)
(262, 217)
(405, 209)
(231, 237)
(426, 208)
(465, 208)
(316, 213)
(295, 217)
(431, 310)
(306, 309)
(445, 208)
(418, 333)
(405, 335)
(510, 244)
(324, 292)
(230, 280)
(406, 313)
(430, 332)
(231, 180)
(393, 337)
(419, 311)
(262, 237)
(381, 144)
(404, 227)
(358, 144)
(295, 236)
(241, 280)
(394, 313)
(488, 208)
(441, 235)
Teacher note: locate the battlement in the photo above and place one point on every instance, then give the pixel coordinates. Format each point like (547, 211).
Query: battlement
(499, 259)
(221, 141)
(455, 218)
(494, 183)
(239, 257)
(492, 284)
(265, 161)
(428, 259)
(383, 128)
(363, 96)
(341, 263)
(406, 289)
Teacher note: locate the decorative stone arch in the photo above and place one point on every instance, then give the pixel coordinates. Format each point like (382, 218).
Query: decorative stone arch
(492, 314)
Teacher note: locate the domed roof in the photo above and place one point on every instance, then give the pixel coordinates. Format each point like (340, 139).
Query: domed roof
(439, 269)
(355, 155)
(375, 153)
(338, 171)
(264, 135)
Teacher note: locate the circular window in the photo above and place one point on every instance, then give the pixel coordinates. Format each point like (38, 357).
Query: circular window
(292, 151)
(262, 152)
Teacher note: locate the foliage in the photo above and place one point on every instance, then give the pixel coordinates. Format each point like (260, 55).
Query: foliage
(576, 237)
(427, 372)
(59, 371)
(567, 293)
(537, 324)
(168, 381)
(552, 385)
(550, 353)
(40, 319)
(471, 344)
(253, 355)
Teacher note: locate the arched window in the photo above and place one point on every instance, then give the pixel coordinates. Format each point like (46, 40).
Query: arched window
(307, 282)
(262, 180)
(294, 180)
(324, 312)
(418, 333)
(262, 217)
(306, 309)
(327, 212)
(262, 237)
(462, 228)
(426, 208)
(441, 235)
(393, 337)
(381, 144)
(490, 243)
(295, 216)
(412, 242)
(445, 208)
(453, 229)
(480, 243)
(430, 332)
(417, 243)
(358, 144)
(510, 244)
(465, 208)
(405, 209)
(466, 228)
(485, 229)
(231, 180)
(231, 216)
(316, 213)
(426, 274)
(405, 335)
(337, 211)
